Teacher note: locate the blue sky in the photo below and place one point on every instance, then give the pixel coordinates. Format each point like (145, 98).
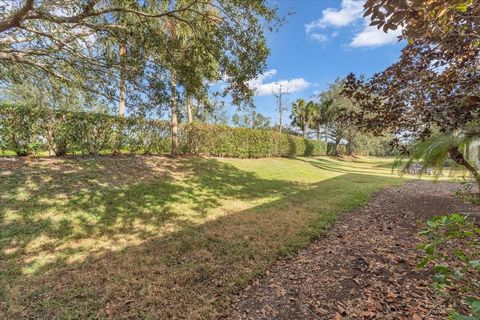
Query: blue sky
(321, 40)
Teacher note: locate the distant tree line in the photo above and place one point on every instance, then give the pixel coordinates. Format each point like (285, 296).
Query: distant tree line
(325, 118)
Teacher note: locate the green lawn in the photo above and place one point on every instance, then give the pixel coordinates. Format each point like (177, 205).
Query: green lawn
(152, 237)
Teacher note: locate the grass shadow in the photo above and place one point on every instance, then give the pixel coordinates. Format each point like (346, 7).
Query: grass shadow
(81, 243)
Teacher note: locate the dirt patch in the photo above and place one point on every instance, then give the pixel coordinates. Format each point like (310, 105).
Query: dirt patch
(365, 268)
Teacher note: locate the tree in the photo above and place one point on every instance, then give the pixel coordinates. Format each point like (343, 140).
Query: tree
(252, 119)
(439, 146)
(301, 115)
(338, 128)
(67, 39)
(51, 93)
(213, 111)
(435, 84)
(89, 44)
(321, 115)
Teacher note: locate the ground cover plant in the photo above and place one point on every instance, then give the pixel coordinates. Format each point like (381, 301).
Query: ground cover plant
(451, 249)
(153, 237)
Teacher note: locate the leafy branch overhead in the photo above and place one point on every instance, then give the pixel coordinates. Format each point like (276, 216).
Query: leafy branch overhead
(75, 41)
(436, 82)
(434, 88)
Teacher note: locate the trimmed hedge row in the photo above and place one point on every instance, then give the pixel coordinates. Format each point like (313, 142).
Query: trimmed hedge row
(27, 130)
(224, 141)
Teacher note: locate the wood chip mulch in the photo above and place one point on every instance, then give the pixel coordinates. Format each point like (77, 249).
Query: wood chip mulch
(365, 268)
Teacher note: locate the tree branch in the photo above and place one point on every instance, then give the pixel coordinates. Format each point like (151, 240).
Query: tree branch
(16, 19)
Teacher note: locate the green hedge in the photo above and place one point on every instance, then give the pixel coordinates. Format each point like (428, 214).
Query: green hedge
(224, 141)
(27, 130)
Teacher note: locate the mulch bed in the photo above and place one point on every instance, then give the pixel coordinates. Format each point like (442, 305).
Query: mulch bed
(365, 268)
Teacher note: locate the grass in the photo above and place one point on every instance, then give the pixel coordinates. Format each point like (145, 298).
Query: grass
(156, 238)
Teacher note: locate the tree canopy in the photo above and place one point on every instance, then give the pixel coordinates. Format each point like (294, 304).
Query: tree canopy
(436, 82)
(76, 41)
(433, 91)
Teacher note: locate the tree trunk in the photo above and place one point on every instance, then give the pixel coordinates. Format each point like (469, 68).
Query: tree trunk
(189, 109)
(318, 133)
(349, 149)
(337, 144)
(458, 157)
(326, 136)
(123, 80)
(173, 103)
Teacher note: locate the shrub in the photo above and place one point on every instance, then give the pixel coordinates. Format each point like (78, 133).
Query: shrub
(224, 141)
(56, 129)
(334, 150)
(25, 129)
(20, 129)
(452, 251)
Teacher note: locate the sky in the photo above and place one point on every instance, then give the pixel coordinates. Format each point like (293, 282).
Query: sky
(320, 41)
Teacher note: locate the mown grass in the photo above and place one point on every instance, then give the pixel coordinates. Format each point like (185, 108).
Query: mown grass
(156, 238)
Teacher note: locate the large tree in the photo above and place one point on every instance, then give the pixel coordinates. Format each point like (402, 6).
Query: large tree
(321, 115)
(118, 48)
(68, 38)
(302, 115)
(435, 85)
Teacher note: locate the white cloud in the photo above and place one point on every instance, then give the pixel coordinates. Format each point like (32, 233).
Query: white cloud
(370, 36)
(350, 11)
(266, 89)
(318, 37)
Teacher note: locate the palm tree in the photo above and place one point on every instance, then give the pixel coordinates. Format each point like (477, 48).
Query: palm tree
(320, 116)
(433, 152)
(301, 114)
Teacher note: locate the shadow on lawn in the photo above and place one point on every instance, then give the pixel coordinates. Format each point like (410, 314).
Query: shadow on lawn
(45, 205)
(329, 165)
(187, 273)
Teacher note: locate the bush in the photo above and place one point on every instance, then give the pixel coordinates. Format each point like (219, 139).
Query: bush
(224, 141)
(20, 129)
(26, 129)
(452, 252)
(334, 150)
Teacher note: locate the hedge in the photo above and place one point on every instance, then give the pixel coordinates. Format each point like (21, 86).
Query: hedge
(27, 130)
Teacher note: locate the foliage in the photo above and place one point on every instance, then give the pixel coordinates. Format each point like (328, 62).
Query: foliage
(226, 141)
(366, 144)
(25, 129)
(252, 119)
(320, 116)
(452, 251)
(336, 149)
(468, 192)
(435, 83)
(431, 95)
(326, 116)
(213, 112)
(19, 129)
(302, 114)
(436, 149)
(78, 43)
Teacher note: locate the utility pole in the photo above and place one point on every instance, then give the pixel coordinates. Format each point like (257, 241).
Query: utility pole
(278, 93)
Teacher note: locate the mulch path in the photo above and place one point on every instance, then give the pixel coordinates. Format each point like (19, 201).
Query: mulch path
(365, 268)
